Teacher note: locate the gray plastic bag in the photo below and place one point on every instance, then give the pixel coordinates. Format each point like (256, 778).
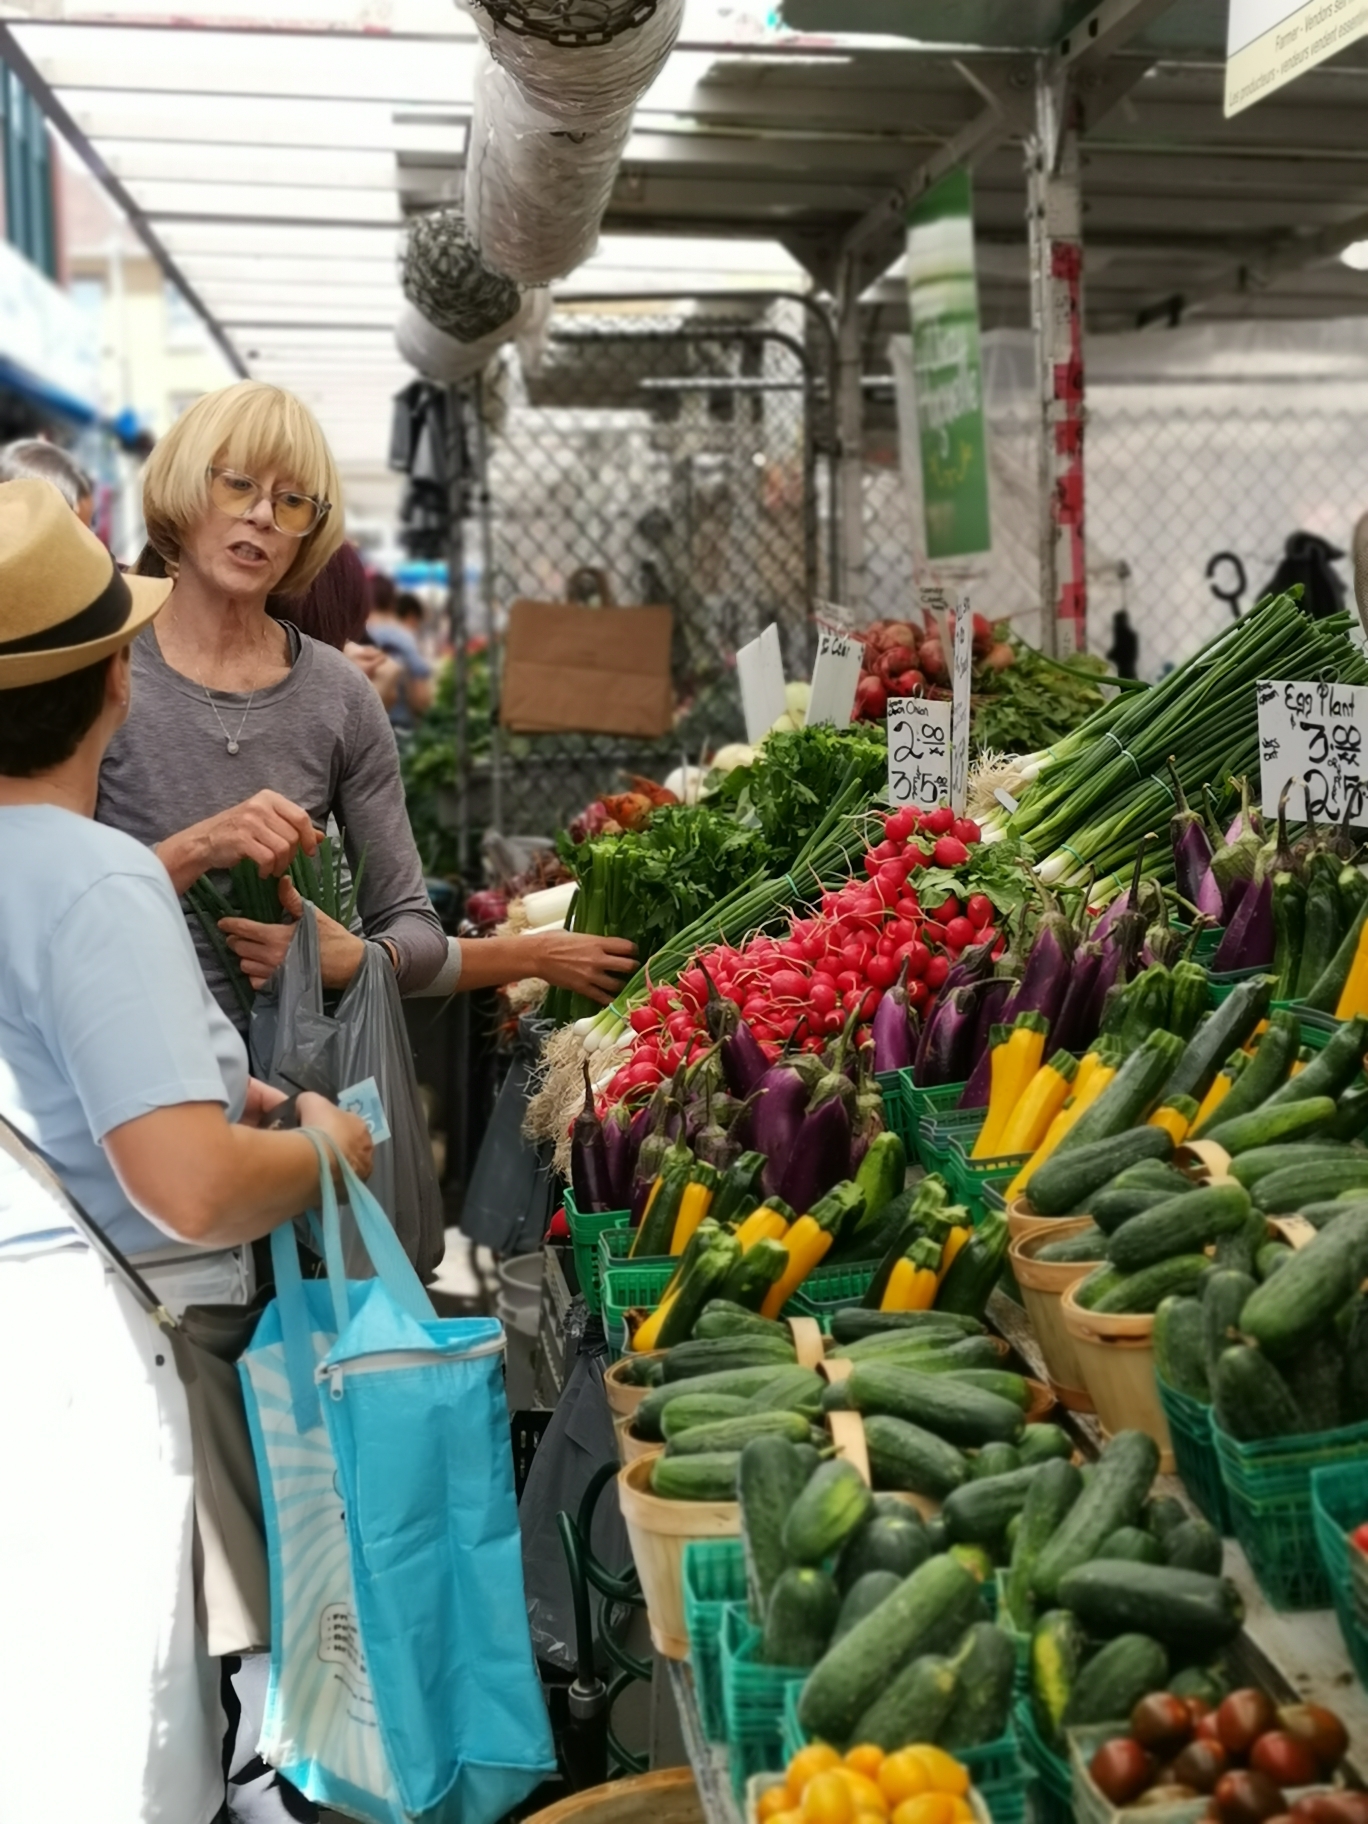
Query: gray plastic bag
(511, 1194)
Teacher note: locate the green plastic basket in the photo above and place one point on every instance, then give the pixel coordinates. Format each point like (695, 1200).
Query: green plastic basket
(897, 1111)
(1268, 1486)
(1208, 941)
(1194, 1453)
(794, 1736)
(940, 1099)
(633, 1285)
(752, 1700)
(713, 1579)
(584, 1240)
(970, 1178)
(1339, 1503)
(1225, 984)
(827, 1290)
(937, 1134)
(1050, 1778)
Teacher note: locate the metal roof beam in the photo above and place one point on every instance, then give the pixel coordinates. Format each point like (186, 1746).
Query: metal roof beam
(1280, 259)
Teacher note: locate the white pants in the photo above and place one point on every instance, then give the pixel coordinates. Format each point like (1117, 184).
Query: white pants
(109, 1707)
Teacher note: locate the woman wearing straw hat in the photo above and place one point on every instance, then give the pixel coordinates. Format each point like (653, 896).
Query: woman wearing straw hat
(119, 1069)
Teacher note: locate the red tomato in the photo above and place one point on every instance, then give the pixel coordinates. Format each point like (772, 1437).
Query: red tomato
(1286, 1761)
(979, 910)
(958, 933)
(936, 971)
(900, 825)
(939, 822)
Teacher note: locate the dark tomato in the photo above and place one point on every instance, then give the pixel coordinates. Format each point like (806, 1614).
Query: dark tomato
(1201, 1764)
(1285, 1758)
(1242, 1718)
(1121, 1770)
(1321, 1730)
(1161, 1723)
(1207, 1729)
(1248, 1798)
(1332, 1808)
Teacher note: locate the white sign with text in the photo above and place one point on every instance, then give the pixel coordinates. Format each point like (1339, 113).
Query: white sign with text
(918, 753)
(835, 678)
(760, 671)
(1315, 734)
(961, 680)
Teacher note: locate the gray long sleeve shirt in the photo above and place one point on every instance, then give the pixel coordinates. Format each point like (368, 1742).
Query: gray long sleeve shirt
(319, 737)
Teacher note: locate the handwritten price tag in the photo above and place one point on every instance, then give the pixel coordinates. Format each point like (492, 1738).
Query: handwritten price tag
(1316, 735)
(835, 677)
(918, 753)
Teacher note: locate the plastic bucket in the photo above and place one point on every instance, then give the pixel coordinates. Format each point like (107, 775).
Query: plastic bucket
(1043, 1284)
(624, 1396)
(630, 1445)
(1117, 1358)
(659, 1531)
(518, 1305)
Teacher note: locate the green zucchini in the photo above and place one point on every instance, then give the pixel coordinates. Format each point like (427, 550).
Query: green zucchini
(704, 1478)
(699, 1409)
(1221, 1032)
(792, 1390)
(735, 1434)
(1352, 1112)
(1115, 1679)
(699, 1282)
(1146, 1290)
(1290, 1121)
(772, 1475)
(862, 1598)
(1132, 1093)
(1133, 1545)
(1113, 1497)
(1183, 1225)
(1087, 1245)
(1051, 1496)
(852, 1322)
(1058, 1649)
(1179, 1347)
(1195, 1546)
(906, 1456)
(1270, 1257)
(834, 1504)
(977, 1268)
(1332, 1069)
(1315, 1379)
(913, 1707)
(1297, 1304)
(1251, 1399)
(1273, 1059)
(994, 1460)
(748, 1282)
(1062, 1184)
(1041, 1442)
(1287, 1190)
(721, 1354)
(884, 1543)
(978, 1512)
(802, 1612)
(739, 1382)
(1188, 1611)
(959, 1413)
(1259, 1161)
(985, 1667)
(927, 1613)
(1163, 1515)
(1110, 1207)
(976, 1559)
(721, 1317)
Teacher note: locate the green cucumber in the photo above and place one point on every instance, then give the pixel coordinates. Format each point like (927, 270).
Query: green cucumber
(913, 1706)
(1132, 1093)
(1133, 1545)
(772, 1475)
(1259, 1161)
(1087, 1245)
(1223, 1300)
(1204, 1683)
(1114, 1496)
(1097, 1285)
(909, 1345)
(721, 1354)
(1001, 1381)
(735, 1434)
(994, 1460)
(1150, 1175)
(1290, 1121)
(834, 1504)
(1110, 1208)
(1315, 1379)
(1270, 1257)
(959, 1413)
(851, 1323)
(1251, 1399)
(976, 1560)
(699, 1409)
(1051, 1496)
(1115, 1679)
(1042, 1442)
(742, 1383)
(1221, 1032)
(1195, 1546)
(1190, 1612)
(1182, 1225)
(802, 1612)
(927, 1613)
(705, 1478)
(1058, 1649)
(1059, 1186)
(1287, 1190)
(1146, 1290)
(1300, 1302)
(1332, 1069)
(978, 1512)
(1239, 1249)
(835, 1398)
(985, 1664)
(792, 1390)
(884, 1543)
(906, 1456)
(862, 1598)
(1163, 1515)
(721, 1317)
(1179, 1347)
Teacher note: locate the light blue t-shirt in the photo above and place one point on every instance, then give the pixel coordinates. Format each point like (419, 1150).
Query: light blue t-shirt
(104, 1014)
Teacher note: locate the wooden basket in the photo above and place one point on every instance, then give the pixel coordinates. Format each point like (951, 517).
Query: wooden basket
(659, 1530)
(623, 1396)
(1022, 1220)
(1116, 1354)
(1043, 1284)
(669, 1797)
(630, 1445)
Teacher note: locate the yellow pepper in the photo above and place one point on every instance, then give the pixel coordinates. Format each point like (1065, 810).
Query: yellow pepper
(913, 1281)
(764, 1224)
(1041, 1101)
(1354, 998)
(1096, 1081)
(806, 1244)
(693, 1207)
(1016, 1060)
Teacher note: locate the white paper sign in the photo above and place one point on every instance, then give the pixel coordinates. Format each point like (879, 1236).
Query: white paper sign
(1317, 735)
(961, 679)
(760, 670)
(835, 676)
(918, 753)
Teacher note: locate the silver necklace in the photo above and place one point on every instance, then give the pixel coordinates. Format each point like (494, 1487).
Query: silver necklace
(234, 741)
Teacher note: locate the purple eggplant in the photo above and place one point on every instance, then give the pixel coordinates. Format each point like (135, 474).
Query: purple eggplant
(980, 1084)
(975, 964)
(993, 997)
(1107, 917)
(1074, 1029)
(781, 1099)
(617, 1139)
(1250, 938)
(591, 1177)
(818, 1157)
(1237, 859)
(1210, 900)
(949, 1038)
(1045, 978)
(1191, 845)
(890, 1032)
(719, 1016)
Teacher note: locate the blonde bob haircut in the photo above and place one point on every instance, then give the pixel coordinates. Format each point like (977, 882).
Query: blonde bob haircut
(254, 428)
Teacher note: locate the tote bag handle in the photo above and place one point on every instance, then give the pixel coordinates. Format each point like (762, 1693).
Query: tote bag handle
(392, 1269)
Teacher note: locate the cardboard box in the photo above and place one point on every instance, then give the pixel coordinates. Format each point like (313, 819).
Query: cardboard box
(595, 671)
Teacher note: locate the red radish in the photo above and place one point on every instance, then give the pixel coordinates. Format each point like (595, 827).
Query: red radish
(918, 994)
(950, 852)
(663, 1000)
(822, 994)
(846, 981)
(789, 985)
(967, 831)
(908, 908)
(979, 910)
(909, 684)
(939, 822)
(933, 932)
(959, 932)
(933, 660)
(643, 1019)
(900, 825)
(891, 664)
(948, 908)
(916, 857)
(1000, 656)
(901, 931)
(983, 636)
(918, 961)
(936, 971)
(871, 700)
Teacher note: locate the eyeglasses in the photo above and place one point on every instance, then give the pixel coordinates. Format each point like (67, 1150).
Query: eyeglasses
(295, 515)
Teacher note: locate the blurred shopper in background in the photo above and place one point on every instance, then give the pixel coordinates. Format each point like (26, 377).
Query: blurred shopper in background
(333, 609)
(1361, 569)
(393, 627)
(31, 459)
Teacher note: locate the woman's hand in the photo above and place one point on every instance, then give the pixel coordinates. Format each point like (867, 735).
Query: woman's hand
(348, 1133)
(261, 949)
(267, 829)
(592, 966)
(261, 1099)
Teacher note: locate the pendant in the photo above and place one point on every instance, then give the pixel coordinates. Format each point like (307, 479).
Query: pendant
(232, 747)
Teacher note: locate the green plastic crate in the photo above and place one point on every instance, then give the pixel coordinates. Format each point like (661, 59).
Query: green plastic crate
(753, 1697)
(937, 1135)
(827, 1290)
(614, 1250)
(633, 1285)
(940, 1099)
(897, 1110)
(1339, 1503)
(713, 1579)
(1194, 1453)
(794, 1736)
(1225, 984)
(585, 1231)
(970, 1178)
(1268, 1486)
(1050, 1778)
(1208, 941)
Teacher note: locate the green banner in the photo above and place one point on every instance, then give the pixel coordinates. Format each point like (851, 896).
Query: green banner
(943, 295)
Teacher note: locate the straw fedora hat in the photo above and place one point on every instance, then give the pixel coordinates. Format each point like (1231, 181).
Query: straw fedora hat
(64, 603)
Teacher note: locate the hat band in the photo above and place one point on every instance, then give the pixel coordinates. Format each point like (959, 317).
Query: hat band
(105, 615)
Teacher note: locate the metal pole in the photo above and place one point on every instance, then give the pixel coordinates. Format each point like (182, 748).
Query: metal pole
(1055, 218)
(481, 440)
(458, 619)
(849, 502)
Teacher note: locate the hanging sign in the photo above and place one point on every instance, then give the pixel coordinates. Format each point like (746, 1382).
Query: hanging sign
(918, 753)
(961, 680)
(760, 670)
(947, 369)
(835, 678)
(1317, 736)
(1271, 42)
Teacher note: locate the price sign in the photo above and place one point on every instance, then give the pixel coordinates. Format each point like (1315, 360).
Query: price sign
(961, 678)
(760, 670)
(918, 753)
(1317, 736)
(835, 676)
